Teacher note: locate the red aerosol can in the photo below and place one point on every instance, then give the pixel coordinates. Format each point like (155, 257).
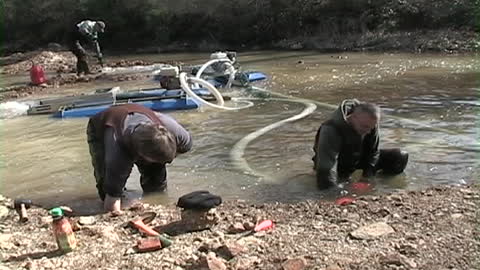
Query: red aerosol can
(63, 231)
(37, 75)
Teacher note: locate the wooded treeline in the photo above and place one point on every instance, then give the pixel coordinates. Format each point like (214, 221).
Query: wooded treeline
(29, 24)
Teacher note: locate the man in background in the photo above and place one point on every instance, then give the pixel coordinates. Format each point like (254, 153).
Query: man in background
(86, 32)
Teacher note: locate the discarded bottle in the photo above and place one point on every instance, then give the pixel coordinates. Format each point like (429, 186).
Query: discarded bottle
(63, 231)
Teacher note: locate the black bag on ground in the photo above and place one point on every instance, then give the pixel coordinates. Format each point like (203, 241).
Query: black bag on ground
(200, 200)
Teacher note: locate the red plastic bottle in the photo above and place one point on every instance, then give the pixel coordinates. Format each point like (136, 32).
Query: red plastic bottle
(37, 75)
(63, 231)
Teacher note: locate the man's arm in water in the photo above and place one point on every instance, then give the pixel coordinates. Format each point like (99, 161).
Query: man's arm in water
(118, 165)
(328, 147)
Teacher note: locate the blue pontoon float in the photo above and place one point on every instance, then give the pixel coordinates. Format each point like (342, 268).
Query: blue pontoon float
(157, 99)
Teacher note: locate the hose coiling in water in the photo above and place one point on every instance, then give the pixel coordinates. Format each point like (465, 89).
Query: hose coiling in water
(220, 101)
(227, 62)
(238, 150)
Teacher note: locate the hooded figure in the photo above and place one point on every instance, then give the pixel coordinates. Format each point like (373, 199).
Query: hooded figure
(85, 32)
(348, 141)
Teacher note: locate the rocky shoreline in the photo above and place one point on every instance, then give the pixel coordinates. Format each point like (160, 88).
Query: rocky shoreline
(436, 228)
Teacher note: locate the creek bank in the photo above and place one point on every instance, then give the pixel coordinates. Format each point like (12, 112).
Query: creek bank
(54, 84)
(449, 41)
(61, 68)
(436, 228)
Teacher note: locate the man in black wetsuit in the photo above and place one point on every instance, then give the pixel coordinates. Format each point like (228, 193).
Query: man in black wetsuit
(348, 141)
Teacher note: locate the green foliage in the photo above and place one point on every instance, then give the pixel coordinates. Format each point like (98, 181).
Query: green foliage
(140, 23)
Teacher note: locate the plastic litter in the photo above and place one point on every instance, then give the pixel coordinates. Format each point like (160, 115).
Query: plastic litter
(264, 225)
(148, 244)
(344, 200)
(141, 225)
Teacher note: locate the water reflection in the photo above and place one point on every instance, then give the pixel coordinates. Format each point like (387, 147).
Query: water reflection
(47, 159)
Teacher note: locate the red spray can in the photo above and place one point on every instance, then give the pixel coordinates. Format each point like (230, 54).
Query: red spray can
(37, 75)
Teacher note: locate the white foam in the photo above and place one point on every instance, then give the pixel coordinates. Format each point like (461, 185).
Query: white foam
(11, 109)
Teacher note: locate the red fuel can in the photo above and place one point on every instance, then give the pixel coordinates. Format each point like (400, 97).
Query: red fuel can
(37, 75)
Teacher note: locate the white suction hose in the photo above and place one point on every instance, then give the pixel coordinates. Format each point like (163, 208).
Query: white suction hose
(238, 150)
(114, 92)
(227, 62)
(185, 86)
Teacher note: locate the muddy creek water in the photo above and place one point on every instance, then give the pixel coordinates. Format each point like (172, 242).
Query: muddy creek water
(430, 108)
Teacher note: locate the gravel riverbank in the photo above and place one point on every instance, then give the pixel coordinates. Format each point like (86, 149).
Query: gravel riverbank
(436, 228)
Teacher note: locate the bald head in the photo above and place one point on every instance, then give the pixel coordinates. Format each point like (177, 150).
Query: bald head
(364, 118)
(368, 108)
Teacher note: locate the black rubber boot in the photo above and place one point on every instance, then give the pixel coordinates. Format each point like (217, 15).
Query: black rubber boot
(153, 177)
(392, 161)
(82, 66)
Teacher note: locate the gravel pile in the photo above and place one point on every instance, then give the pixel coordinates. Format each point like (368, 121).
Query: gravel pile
(50, 61)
